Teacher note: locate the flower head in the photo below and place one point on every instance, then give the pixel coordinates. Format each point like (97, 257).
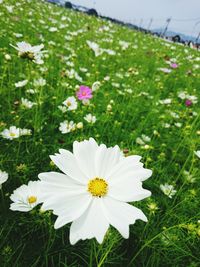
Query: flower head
(90, 118)
(93, 190)
(188, 103)
(168, 190)
(33, 53)
(26, 197)
(70, 103)
(84, 93)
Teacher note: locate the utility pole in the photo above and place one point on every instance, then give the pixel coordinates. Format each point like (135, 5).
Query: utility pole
(166, 27)
(150, 23)
(141, 21)
(197, 39)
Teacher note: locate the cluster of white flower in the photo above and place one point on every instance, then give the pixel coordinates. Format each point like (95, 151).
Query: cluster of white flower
(13, 132)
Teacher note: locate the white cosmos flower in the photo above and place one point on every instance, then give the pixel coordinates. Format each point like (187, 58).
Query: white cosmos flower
(3, 177)
(93, 190)
(26, 197)
(26, 50)
(21, 83)
(197, 153)
(70, 103)
(96, 86)
(27, 103)
(67, 127)
(95, 47)
(90, 118)
(168, 190)
(39, 82)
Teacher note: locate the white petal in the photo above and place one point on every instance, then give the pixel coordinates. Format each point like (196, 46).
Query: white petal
(121, 215)
(67, 163)
(127, 165)
(70, 209)
(84, 153)
(91, 224)
(20, 207)
(57, 179)
(128, 189)
(106, 159)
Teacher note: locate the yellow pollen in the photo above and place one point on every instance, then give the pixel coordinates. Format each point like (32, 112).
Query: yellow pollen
(68, 104)
(12, 134)
(98, 187)
(32, 199)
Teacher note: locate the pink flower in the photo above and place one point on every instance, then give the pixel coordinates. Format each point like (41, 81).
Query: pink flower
(174, 65)
(188, 102)
(84, 93)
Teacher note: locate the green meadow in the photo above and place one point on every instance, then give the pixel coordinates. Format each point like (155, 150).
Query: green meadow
(146, 101)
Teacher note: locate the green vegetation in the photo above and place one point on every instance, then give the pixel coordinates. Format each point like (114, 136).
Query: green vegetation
(147, 103)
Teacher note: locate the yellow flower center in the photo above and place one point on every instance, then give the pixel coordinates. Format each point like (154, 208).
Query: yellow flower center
(69, 104)
(32, 199)
(98, 187)
(12, 134)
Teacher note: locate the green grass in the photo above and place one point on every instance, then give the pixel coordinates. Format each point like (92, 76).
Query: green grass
(172, 235)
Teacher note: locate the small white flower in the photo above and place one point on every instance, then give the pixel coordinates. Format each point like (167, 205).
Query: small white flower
(70, 103)
(124, 45)
(26, 197)
(39, 82)
(7, 57)
(79, 125)
(53, 29)
(93, 190)
(90, 118)
(67, 127)
(3, 177)
(146, 138)
(26, 103)
(178, 124)
(168, 190)
(197, 153)
(139, 141)
(21, 83)
(96, 86)
(95, 47)
(165, 70)
(33, 53)
(166, 101)
(62, 108)
(11, 133)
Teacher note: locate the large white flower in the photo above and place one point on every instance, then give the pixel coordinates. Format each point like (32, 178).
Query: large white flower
(93, 190)
(26, 197)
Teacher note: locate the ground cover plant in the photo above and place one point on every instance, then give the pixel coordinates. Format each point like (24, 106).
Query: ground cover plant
(66, 77)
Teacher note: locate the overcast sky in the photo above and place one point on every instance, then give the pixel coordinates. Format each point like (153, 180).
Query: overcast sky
(184, 13)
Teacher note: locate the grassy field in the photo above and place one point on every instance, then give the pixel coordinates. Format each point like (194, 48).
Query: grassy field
(147, 103)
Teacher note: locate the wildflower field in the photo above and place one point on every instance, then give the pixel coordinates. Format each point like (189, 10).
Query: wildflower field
(70, 82)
